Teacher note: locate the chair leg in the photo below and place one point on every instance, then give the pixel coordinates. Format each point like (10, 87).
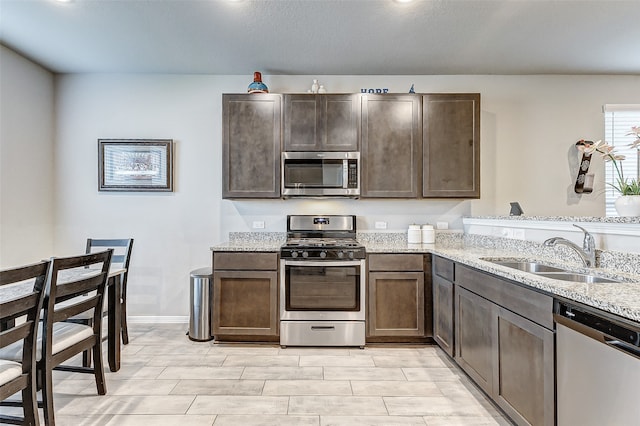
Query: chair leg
(47, 395)
(123, 322)
(98, 368)
(30, 404)
(86, 358)
(86, 355)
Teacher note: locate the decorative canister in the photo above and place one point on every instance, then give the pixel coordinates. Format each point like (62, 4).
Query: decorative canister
(414, 234)
(428, 234)
(257, 86)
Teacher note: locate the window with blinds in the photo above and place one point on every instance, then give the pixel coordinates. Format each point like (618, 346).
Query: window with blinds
(618, 121)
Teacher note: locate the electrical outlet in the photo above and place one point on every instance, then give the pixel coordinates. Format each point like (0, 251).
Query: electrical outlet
(442, 225)
(381, 225)
(258, 224)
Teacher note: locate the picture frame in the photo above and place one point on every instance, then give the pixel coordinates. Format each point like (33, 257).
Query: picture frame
(135, 165)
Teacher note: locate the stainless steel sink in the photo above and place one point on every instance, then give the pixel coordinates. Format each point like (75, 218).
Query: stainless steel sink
(533, 267)
(581, 278)
(547, 271)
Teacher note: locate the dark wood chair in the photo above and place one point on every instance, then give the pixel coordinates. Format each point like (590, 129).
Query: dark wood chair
(121, 257)
(71, 289)
(25, 308)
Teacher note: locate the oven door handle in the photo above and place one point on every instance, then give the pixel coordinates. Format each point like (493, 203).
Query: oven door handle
(303, 262)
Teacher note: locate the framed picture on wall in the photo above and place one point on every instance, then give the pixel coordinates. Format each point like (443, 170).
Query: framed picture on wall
(135, 165)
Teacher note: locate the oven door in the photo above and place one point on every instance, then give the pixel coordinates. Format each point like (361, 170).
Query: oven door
(322, 290)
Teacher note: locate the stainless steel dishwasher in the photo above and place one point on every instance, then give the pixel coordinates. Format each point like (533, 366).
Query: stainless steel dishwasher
(597, 368)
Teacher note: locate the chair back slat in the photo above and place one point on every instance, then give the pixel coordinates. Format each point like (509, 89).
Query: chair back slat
(94, 242)
(15, 333)
(14, 308)
(79, 306)
(69, 290)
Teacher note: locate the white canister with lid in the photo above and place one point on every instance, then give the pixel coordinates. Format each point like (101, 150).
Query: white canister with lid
(428, 234)
(414, 234)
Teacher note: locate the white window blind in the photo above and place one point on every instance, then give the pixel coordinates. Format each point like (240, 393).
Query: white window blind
(618, 120)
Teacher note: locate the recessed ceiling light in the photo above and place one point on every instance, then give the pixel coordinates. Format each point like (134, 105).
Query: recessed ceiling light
(403, 1)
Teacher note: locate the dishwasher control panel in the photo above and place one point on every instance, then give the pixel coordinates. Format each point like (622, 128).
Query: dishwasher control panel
(610, 327)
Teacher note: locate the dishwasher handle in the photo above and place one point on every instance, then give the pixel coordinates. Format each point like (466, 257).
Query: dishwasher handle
(617, 344)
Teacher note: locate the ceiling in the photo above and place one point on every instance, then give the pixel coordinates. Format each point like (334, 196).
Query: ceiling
(326, 37)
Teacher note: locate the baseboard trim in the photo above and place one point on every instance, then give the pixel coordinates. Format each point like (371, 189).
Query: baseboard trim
(150, 319)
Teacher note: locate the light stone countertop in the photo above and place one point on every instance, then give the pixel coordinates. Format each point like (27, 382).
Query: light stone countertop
(622, 299)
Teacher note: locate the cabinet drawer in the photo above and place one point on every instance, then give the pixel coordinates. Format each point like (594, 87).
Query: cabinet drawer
(443, 267)
(530, 304)
(396, 262)
(245, 261)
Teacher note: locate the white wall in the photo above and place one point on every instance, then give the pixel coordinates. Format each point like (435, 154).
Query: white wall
(529, 125)
(26, 160)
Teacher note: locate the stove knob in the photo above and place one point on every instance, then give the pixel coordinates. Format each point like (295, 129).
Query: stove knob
(340, 254)
(350, 255)
(294, 253)
(323, 254)
(305, 254)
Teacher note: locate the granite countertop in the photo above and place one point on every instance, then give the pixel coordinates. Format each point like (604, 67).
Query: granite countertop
(622, 299)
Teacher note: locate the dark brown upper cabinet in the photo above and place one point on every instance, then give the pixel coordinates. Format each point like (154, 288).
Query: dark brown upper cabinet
(251, 145)
(391, 146)
(321, 122)
(451, 145)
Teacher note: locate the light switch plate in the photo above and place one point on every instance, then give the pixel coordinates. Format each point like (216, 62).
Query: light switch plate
(258, 224)
(442, 225)
(381, 225)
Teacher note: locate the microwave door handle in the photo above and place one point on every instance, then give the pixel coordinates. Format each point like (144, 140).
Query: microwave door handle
(345, 174)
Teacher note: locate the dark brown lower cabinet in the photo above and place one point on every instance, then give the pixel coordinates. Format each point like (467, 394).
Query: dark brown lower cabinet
(509, 356)
(245, 298)
(443, 301)
(397, 301)
(475, 337)
(524, 377)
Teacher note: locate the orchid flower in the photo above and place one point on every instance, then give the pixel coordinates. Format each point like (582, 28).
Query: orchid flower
(608, 153)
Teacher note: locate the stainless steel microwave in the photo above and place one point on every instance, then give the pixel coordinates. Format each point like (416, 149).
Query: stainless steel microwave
(317, 174)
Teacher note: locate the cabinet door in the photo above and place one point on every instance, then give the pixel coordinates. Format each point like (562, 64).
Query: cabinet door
(301, 123)
(474, 337)
(340, 122)
(391, 146)
(245, 303)
(443, 313)
(451, 145)
(321, 122)
(251, 146)
(524, 377)
(396, 304)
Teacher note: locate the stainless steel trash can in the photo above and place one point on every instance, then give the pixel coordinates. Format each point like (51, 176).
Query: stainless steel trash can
(201, 293)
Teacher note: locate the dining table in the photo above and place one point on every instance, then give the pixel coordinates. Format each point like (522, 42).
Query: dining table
(114, 311)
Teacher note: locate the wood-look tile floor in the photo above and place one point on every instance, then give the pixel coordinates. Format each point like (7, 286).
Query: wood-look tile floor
(166, 379)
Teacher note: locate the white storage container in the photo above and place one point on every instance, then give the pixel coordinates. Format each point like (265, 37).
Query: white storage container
(414, 234)
(428, 234)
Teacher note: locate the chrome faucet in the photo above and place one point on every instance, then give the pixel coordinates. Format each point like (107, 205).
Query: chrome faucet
(587, 252)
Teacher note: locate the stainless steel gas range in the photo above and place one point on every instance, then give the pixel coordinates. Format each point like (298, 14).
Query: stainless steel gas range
(322, 283)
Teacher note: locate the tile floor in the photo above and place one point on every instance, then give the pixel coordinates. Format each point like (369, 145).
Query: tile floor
(166, 379)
